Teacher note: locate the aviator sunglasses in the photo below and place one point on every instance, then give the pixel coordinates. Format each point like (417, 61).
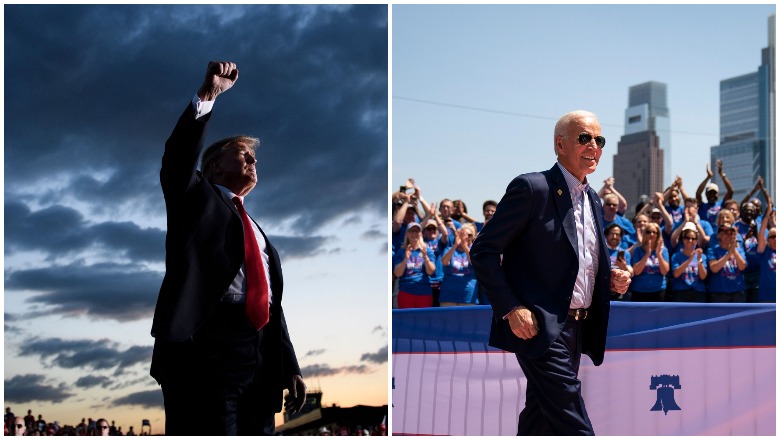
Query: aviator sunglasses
(584, 138)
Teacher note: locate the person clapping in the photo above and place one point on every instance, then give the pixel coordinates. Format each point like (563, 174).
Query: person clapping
(458, 288)
(413, 264)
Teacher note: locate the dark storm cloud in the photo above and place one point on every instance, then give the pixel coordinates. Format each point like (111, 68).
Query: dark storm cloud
(322, 370)
(95, 91)
(91, 381)
(9, 317)
(380, 357)
(84, 353)
(146, 399)
(32, 387)
(61, 230)
(299, 247)
(122, 292)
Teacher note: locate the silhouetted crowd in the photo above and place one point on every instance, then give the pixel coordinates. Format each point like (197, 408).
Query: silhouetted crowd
(30, 426)
(677, 246)
(358, 430)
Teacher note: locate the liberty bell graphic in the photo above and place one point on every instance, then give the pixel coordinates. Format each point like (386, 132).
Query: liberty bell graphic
(665, 386)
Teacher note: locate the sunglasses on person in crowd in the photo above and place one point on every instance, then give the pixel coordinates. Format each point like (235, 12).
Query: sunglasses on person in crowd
(431, 228)
(689, 238)
(585, 138)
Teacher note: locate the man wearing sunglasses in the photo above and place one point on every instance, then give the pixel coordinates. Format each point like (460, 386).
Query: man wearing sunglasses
(550, 293)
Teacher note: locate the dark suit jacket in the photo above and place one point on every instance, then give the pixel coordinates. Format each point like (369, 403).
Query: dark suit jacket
(534, 229)
(204, 252)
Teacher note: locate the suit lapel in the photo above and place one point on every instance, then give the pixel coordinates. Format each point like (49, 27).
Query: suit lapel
(595, 204)
(228, 201)
(562, 197)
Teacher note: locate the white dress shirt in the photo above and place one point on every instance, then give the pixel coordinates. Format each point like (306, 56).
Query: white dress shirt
(587, 241)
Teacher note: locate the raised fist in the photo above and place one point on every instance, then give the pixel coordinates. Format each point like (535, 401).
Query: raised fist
(220, 76)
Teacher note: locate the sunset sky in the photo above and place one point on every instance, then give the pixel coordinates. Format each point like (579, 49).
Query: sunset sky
(91, 95)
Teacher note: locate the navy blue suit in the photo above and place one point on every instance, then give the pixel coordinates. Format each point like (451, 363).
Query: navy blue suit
(533, 228)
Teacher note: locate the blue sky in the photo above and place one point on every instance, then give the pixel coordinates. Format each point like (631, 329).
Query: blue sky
(91, 95)
(477, 89)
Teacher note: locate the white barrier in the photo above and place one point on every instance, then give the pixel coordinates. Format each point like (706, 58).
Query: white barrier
(688, 369)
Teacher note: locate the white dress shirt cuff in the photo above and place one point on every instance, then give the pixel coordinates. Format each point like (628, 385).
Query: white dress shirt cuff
(201, 108)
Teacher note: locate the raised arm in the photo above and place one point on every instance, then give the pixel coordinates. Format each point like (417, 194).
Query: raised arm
(764, 225)
(702, 185)
(759, 184)
(659, 202)
(398, 219)
(447, 257)
(729, 188)
(609, 188)
(418, 193)
(763, 190)
(679, 182)
(183, 147)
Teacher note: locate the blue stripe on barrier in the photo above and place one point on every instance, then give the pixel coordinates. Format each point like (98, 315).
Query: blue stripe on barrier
(632, 326)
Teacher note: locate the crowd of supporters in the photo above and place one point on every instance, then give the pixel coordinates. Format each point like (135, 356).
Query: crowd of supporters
(30, 426)
(677, 246)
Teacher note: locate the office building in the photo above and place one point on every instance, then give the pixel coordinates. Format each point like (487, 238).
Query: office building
(643, 152)
(747, 126)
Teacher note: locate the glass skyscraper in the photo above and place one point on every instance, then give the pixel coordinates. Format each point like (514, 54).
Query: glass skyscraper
(747, 126)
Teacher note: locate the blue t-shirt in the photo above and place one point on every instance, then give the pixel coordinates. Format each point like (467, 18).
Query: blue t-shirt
(678, 215)
(690, 278)
(438, 250)
(613, 255)
(707, 227)
(752, 258)
(415, 279)
(621, 221)
(628, 240)
(398, 238)
(459, 284)
(709, 211)
(767, 285)
(650, 279)
(729, 279)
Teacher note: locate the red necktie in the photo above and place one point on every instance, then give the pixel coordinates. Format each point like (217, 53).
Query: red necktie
(256, 284)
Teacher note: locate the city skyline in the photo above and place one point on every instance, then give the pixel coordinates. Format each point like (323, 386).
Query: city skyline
(471, 110)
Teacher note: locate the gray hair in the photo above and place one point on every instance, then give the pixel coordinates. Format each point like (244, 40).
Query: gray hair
(566, 120)
(217, 149)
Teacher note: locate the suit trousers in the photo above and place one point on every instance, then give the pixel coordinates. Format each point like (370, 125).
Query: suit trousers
(215, 387)
(553, 400)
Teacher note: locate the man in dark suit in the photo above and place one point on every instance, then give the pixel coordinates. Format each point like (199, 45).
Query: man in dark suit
(543, 264)
(222, 352)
